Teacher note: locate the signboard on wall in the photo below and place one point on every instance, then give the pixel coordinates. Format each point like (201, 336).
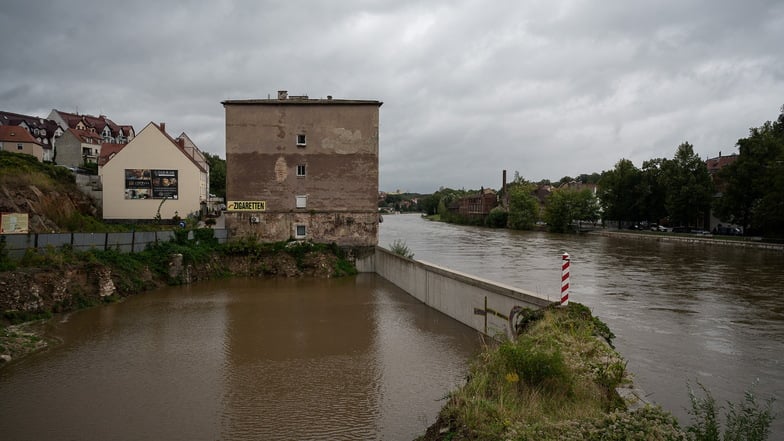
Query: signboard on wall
(142, 183)
(14, 223)
(246, 206)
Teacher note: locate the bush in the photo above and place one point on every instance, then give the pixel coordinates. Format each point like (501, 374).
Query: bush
(497, 218)
(745, 421)
(400, 248)
(538, 365)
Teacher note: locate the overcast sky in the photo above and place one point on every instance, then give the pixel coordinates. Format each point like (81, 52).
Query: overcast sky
(546, 88)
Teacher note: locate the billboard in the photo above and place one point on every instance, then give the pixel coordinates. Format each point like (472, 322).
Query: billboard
(142, 183)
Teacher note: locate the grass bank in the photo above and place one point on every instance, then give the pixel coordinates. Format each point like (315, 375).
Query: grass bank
(559, 380)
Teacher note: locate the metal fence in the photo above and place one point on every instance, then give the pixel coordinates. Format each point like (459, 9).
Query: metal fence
(16, 245)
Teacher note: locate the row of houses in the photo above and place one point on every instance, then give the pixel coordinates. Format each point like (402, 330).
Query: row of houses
(141, 177)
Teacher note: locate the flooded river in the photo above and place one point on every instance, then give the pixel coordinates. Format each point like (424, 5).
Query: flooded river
(353, 358)
(682, 313)
(356, 358)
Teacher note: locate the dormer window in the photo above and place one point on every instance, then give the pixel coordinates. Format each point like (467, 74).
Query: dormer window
(301, 140)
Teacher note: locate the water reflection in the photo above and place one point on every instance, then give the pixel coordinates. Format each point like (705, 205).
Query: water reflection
(352, 358)
(682, 312)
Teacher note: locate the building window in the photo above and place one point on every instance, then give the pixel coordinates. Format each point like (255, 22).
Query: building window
(302, 201)
(301, 170)
(299, 231)
(19, 147)
(301, 139)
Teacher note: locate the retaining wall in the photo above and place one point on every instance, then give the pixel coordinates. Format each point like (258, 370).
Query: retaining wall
(488, 307)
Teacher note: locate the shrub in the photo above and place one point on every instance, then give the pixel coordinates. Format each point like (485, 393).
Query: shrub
(745, 421)
(400, 248)
(538, 365)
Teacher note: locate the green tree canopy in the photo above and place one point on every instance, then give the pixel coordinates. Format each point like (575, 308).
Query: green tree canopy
(565, 206)
(689, 188)
(217, 174)
(753, 185)
(523, 206)
(619, 192)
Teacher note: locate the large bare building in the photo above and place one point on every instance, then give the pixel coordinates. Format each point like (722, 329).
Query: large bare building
(301, 168)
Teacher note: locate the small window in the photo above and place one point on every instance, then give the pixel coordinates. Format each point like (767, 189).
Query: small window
(302, 201)
(19, 147)
(301, 170)
(299, 231)
(301, 139)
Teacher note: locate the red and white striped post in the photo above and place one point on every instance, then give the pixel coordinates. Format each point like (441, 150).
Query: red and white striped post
(565, 279)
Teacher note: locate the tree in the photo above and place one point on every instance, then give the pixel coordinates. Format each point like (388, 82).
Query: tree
(217, 174)
(689, 188)
(619, 192)
(753, 189)
(565, 206)
(523, 206)
(652, 191)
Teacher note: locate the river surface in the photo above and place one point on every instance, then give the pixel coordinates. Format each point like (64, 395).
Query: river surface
(351, 358)
(682, 313)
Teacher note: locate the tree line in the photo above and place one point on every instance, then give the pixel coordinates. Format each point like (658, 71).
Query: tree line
(677, 192)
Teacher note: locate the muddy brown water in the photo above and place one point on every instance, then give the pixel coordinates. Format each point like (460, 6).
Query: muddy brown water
(353, 358)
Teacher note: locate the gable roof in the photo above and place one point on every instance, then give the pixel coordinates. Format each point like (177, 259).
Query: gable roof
(176, 144)
(96, 122)
(108, 151)
(16, 134)
(85, 136)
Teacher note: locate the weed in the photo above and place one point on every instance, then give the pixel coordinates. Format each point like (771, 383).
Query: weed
(400, 248)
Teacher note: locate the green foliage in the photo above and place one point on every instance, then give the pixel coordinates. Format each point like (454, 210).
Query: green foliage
(539, 364)
(748, 420)
(497, 218)
(15, 317)
(753, 186)
(619, 192)
(400, 248)
(565, 207)
(523, 206)
(217, 174)
(689, 188)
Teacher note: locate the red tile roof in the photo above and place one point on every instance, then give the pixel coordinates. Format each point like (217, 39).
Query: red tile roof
(16, 134)
(108, 151)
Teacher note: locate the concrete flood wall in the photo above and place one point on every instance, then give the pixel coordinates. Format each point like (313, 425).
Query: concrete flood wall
(488, 307)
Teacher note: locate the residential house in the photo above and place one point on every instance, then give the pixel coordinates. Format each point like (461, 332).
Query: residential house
(89, 133)
(15, 139)
(45, 131)
(153, 175)
(77, 147)
(303, 168)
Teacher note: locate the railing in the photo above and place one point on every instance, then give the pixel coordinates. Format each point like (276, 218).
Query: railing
(16, 245)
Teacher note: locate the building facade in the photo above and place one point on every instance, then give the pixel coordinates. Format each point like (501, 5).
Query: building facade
(16, 139)
(305, 169)
(45, 131)
(152, 176)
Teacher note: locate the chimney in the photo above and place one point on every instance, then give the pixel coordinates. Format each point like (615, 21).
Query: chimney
(163, 127)
(503, 183)
(282, 94)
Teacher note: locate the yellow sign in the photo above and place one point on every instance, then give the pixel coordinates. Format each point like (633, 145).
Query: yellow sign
(246, 206)
(13, 223)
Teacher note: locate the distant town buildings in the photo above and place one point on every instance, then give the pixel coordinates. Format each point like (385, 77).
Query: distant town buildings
(44, 131)
(303, 168)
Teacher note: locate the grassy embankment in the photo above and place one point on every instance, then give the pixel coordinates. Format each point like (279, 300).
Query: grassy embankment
(557, 381)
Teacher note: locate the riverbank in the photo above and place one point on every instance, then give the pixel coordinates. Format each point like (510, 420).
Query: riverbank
(691, 238)
(63, 280)
(558, 380)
